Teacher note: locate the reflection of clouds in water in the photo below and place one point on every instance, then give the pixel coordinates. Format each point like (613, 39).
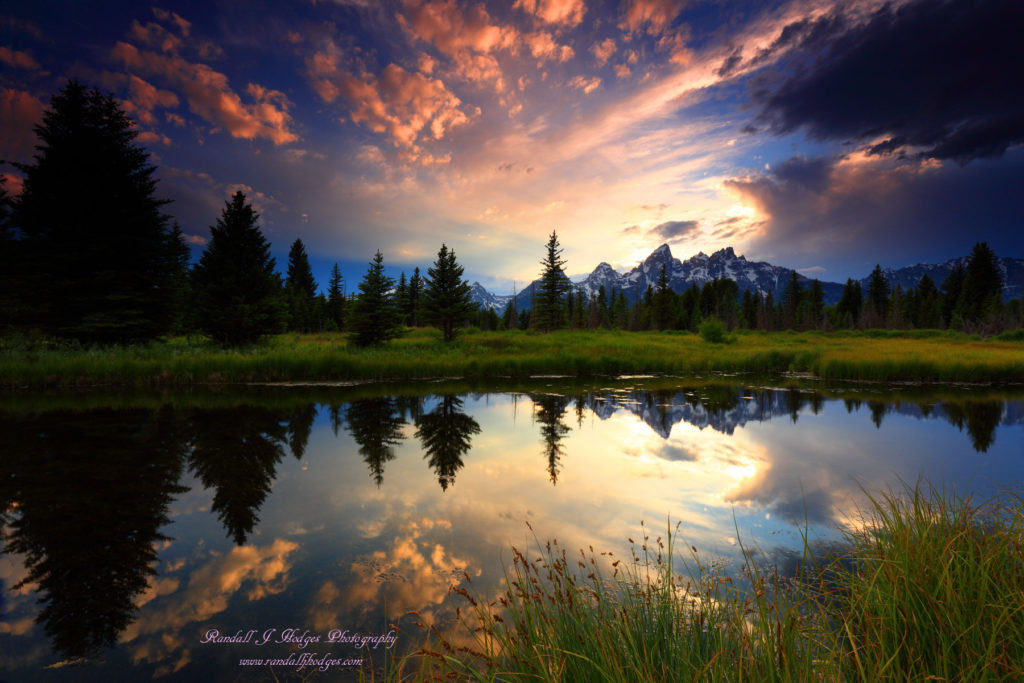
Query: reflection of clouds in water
(413, 572)
(15, 602)
(158, 630)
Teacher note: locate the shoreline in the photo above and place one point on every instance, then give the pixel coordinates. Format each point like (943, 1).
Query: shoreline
(927, 357)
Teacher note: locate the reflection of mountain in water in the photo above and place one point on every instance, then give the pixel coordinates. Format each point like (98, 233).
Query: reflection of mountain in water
(723, 409)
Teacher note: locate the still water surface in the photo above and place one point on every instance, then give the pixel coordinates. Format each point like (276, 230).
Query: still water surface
(144, 534)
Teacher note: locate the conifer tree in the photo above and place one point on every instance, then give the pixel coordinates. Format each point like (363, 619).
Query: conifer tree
(375, 318)
(816, 303)
(878, 296)
(662, 301)
(982, 286)
(402, 297)
(301, 289)
(549, 308)
(446, 300)
(850, 304)
(927, 310)
(414, 299)
(238, 294)
(791, 298)
(336, 299)
(10, 264)
(99, 256)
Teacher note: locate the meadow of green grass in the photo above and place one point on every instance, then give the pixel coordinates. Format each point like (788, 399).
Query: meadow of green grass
(327, 357)
(928, 587)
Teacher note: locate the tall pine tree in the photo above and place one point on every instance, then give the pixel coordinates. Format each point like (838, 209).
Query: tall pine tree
(375, 318)
(99, 255)
(549, 308)
(982, 286)
(336, 299)
(446, 301)
(300, 287)
(238, 294)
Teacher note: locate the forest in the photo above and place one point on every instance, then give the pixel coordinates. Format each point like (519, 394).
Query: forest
(89, 256)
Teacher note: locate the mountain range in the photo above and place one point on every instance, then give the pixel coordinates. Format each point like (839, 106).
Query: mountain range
(757, 276)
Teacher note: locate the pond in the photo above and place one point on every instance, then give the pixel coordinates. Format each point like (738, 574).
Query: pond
(236, 534)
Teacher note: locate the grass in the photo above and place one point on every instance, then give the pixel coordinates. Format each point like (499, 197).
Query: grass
(928, 587)
(326, 357)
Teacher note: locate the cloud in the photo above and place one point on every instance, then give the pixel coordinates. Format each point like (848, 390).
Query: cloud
(812, 271)
(542, 45)
(148, 136)
(479, 68)
(19, 112)
(563, 12)
(452, 29)
(252, 571)
(674, 231)
(18, 59)
(183, 25)
(654, 15)
(155, 36)
(406, 106)
(587, 85)
(622, 71)
(862, 208)
(603, 50)
(940, 78)
(144, 98)
(210, 97)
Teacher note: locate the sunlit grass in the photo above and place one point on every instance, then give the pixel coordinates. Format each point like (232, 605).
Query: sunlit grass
(913, 356)
(928, 587)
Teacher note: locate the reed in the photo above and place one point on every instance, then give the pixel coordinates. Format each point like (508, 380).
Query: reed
(928, 587)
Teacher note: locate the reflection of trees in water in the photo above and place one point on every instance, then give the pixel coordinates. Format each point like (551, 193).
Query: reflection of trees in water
(878, 410)
(981, 419)
(445, 433)
(376, 425)
(549, 411)
(87, 493)
(236, 452)
(300, 426)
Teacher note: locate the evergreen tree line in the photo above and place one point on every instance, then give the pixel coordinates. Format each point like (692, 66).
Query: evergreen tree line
(89, 255)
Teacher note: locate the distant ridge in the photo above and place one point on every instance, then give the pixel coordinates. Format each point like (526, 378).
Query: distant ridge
(757, 276)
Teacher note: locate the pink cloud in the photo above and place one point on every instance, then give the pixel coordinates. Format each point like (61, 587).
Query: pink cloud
(479, 69)
(149, 137)
(587, 85)
(543, 46)
(564, 12)
(18, 59)
(603, 50)
(19, 112)
(145, 97)
(156, 36)
(210, 97)
(406, 106)
(451, 29)
(183, 25)
(622, 71)
(657, 15)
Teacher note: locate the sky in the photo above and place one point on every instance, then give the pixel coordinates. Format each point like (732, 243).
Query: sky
(824, 137)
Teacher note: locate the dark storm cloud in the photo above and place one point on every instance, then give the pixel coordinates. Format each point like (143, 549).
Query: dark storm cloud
(859, 209)
(674, 230)
(941, 76)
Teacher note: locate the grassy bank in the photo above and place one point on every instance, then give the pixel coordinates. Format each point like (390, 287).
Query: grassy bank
(930, 587)
(931, 357)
